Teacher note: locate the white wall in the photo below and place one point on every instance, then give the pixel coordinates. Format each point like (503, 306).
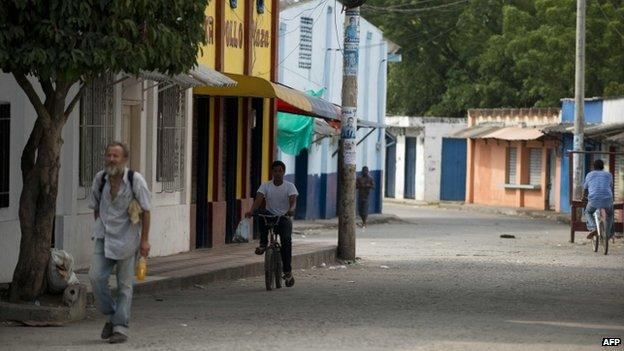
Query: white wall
(613, 111)
(170, 219)
(429, 132)
(326, 72)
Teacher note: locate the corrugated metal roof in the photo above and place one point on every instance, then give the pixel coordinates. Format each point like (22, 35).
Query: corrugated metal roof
(595, 131)
(604, 130)
(514, 133)
(211, 77)
(198, 76)
(476, 131)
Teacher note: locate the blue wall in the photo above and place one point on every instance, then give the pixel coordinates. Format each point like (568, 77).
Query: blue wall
(593, 111)
(567, 144)
(566, 177)
(322, 192)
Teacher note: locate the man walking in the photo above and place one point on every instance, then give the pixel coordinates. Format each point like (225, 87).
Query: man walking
(364, 184)
(280, 199)
(114, 196)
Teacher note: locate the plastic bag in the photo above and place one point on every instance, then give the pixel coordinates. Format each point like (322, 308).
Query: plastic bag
(60, 271)
(242, 232)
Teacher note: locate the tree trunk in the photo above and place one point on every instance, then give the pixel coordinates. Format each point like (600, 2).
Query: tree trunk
(40, 170)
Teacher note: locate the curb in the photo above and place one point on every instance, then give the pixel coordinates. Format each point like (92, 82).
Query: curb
(300, 261)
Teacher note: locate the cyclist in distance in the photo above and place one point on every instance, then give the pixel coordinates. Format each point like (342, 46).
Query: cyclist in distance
(598, 191)
(281, 200)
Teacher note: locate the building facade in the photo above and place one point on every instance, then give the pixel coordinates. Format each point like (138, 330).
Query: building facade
(511, 161)
(201, 150)
(422, 161)
(310, 59)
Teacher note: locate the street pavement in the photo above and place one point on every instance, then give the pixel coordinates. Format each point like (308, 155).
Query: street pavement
(436, 280)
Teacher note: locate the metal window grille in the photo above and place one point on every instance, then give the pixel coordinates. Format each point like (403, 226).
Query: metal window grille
(97, 122)
(305, 42)
(535, 166)
(511, 165)
(5, 153)
(171, 139)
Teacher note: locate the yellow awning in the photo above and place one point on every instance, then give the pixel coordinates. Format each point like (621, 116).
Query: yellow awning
(290, 100)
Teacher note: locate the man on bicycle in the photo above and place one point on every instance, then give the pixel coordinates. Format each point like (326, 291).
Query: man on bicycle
(598, 191)
(280, 199)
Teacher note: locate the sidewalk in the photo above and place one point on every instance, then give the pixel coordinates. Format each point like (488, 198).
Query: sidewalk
(508, 211)
(232, 261)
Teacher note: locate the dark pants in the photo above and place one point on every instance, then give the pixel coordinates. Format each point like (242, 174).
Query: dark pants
(363, 208)
(284, 229)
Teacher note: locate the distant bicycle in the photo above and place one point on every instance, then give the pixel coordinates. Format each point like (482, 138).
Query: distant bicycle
(273, 254)
(602, 237)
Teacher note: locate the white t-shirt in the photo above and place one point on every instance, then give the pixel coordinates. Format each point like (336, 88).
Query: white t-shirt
(277, 196)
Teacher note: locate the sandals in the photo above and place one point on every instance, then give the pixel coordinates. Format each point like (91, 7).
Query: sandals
(592, 234)
(289, 279)
(260, 250)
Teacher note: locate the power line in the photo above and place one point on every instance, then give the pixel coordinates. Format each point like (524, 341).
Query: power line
(412, 10)
(609, 20)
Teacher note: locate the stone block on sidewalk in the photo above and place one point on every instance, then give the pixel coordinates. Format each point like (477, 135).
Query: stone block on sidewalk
(51, 310)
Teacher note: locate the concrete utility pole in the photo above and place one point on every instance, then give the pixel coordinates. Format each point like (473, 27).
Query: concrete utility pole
(346, 205)
(579, 101)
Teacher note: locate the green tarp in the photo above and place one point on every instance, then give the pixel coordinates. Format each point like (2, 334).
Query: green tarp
(294, 132)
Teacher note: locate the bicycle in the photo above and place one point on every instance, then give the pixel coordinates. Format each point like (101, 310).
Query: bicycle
(272, 254)
(600, 217)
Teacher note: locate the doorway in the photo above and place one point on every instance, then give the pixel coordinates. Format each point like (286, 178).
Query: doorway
(410, 168)
(255, 171)
(551, 167)
(230, 127)
(453, 172)
(390, 167)
(199, 171)
(301, 182)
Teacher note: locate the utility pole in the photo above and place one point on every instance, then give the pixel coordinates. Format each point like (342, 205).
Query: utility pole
(579, 102)
(346, 168)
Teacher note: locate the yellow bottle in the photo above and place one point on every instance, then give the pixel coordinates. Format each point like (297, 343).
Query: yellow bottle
(141, 269)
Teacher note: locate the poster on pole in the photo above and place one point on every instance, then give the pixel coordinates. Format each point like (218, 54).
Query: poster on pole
(349, 151)
(347, 134)
(350, 62)
(352, 27)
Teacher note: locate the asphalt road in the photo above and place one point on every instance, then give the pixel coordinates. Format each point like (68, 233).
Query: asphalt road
(439, 280)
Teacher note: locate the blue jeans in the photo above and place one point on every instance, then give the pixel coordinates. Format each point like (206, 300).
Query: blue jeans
(118, 311)
(591, 222)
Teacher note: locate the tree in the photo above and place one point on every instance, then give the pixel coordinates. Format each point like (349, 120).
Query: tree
(496, 53)
(63, 44)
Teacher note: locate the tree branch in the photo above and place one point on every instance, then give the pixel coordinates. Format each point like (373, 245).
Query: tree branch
(74, 101)
(28, 155)
(32, 96)
(47, 87)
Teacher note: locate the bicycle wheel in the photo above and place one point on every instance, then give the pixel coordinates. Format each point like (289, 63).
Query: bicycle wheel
(268, 268)
(278, 268)
(604, 240)
(595, 241)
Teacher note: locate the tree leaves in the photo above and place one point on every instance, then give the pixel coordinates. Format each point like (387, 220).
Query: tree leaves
(89, 37)
(498, 53)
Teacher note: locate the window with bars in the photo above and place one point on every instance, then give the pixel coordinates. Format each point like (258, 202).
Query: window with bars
(305, 42)
(511, 165)
(535, 166)
(5, 153)
(171, 139)
(97, 122)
